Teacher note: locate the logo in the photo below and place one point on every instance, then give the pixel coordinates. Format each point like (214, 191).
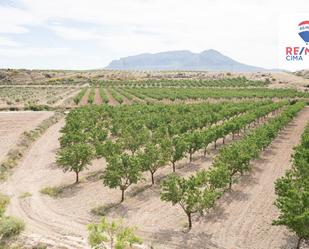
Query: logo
(304, 31)
(298, 53)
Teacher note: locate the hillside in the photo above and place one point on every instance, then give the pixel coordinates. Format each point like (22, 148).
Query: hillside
(210, 60)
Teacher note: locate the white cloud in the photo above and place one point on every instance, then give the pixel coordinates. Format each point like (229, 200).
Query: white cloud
(245, 30)
(8, 42)
(34, 52)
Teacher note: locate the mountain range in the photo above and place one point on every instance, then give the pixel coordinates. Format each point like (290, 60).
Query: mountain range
(208, 60)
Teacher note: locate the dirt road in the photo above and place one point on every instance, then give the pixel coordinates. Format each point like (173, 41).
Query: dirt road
(36, 171)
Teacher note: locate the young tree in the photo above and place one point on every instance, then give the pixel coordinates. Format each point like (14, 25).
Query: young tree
(235, 159)
(75, 158)
(176, 148)
(122, 171)
(293, 203)
(133, 138)
(193, 195)
(194, 143)
(111, 235)
(153, 158)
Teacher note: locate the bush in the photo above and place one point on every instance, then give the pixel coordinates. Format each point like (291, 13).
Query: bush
(52, 191)
(38, 108)
(10, 226)
(103, 210)
(4, 201)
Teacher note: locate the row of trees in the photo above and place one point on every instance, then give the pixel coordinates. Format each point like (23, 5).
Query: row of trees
(292, 192)
(198, 193)
(224, 82)
(216, 93)
(79, 96)
(132, 153)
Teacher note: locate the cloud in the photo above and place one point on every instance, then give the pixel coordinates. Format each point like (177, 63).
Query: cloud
(244, 30)
(6, 42)
(34, 52)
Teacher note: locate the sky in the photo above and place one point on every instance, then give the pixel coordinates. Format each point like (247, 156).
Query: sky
(88, 34)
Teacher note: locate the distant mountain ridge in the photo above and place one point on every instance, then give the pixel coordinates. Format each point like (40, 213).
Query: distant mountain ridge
(209, 60)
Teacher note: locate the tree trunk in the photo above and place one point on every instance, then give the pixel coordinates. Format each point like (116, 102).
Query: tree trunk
(205, 151)
(122, 195)
(233, 135)
(77, 177)
(152, 178)
(231, 182)
(299, 243)
(189, 221)
(215, 144)
(190, 157)
(174, 167)
(224, 140)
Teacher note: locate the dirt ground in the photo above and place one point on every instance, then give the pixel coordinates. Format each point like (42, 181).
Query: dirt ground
(84, 100)
(97, 97)
(242, 219)
(13, 124)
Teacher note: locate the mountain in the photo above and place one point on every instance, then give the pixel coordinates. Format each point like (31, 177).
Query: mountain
(209, 60)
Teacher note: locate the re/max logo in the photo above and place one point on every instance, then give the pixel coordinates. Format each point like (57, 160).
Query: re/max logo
(296, 53)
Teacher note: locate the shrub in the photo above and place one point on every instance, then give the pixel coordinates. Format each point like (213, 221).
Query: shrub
(4, 201)
(53, 191)
(10, 226)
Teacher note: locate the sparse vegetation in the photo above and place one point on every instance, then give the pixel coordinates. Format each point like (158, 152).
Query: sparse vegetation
(113, 235)
(53, 191)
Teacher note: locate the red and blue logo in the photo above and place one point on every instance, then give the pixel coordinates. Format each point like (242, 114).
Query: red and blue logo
(298, 53)
(304, 31)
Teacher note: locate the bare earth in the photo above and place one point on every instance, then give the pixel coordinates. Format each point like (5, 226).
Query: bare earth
(241, 220)
(97, 97)
(13, 124)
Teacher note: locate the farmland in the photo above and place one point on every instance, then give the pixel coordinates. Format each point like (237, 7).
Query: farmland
(189, 159)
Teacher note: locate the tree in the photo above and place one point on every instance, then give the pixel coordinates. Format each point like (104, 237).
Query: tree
(194, 142)
(293, 203)
(122, 171)
(194, 195)
(75, 158)
(111, 235)
(176, 148)
(133, 140)
(153, 158)
(235, 159)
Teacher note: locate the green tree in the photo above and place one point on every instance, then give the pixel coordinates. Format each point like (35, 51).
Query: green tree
(293, 203)
(193, 195)
(134, 137)
(194, 142)
(153, 157)
(75, 158)
(122, 171)
(176, 148)
(111, 235)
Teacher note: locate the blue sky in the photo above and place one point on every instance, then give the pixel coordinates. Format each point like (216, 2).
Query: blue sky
(73, 34)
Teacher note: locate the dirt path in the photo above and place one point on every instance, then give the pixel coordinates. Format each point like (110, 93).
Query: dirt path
(84, 100)
(36, 171)
(97, 97)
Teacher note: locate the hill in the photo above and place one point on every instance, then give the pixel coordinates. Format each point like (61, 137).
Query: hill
(209, 60)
